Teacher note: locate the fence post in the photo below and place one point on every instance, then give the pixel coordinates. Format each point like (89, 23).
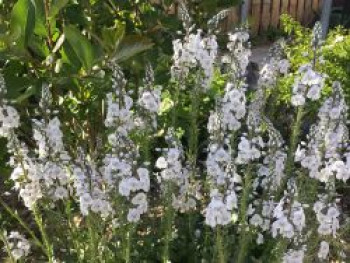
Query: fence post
(245, 11)
(325, 16)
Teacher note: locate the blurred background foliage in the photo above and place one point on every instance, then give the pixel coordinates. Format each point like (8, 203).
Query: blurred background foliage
(334, 62)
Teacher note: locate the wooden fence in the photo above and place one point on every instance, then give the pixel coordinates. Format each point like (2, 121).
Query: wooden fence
(264, 14)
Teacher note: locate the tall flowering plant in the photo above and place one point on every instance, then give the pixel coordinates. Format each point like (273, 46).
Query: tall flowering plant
(245, 192)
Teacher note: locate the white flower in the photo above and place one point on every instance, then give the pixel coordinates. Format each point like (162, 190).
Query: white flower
(217, 213)
(9, 120)
(298, 100)
(314, 93)
(150, 100)
(284, 66)
(324, 250)
(256, 220)
(61, 193)
(133, 215)
(19, 245)
(161, 163)
(260, 239)
(294, 256)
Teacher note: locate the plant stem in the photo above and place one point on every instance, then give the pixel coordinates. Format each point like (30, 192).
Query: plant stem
(92, 239)
(245, 235)
(127, 241)
(23, 224)
(193, 134)
(72, 229)
(291, 151)
(168, 226)
(39, 222)
(127, 247)
(220, 246)
(7, 246)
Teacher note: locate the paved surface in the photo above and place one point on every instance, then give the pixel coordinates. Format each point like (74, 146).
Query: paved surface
(259, 54)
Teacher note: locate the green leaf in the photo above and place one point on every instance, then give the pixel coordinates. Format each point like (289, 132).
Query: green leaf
(38, 47)
(56, 6)
(81, 46)
(30, 91)
(112, 36)
(131, 46)
(22, 22)
(40, 20)
(70, 57)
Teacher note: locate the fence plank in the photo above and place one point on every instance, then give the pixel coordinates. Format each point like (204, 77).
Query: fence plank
(233, 18)
(285, 5)
(316, 6)
(266, 14)
(301, 8)
(293, 8)
(308, 14)
(256, 14)
(275, 16)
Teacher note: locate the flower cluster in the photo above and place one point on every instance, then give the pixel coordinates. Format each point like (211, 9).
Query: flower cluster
(328, 217)
(289, 215)
(294, 256)
(9, 117)
(249, 149)
(88, 185)
(226, 119)
(42, 173)
(18, 245)
(175, 176)
(192, 52)
(323, 155)
(120, 164)
(274, 66)
(224, 183)
(233, 107)
(240, 52)
(309, 85)
(149, 99)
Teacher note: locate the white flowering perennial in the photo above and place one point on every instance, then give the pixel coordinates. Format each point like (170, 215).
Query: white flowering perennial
(223, 122)
(175, 176)
(308, 86)
(274, 66)
(120, 168)
(19, 246)
(233, 107)
(289, 215)
(89, 188)
(150, 99)
(239, 52)
(42, 173)
(224, 182)
(233, 177)
(194, 51)
(249, 149)
(325, 155)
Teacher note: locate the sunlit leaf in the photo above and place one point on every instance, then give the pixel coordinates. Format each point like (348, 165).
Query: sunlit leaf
(81, 46)
(131, 46)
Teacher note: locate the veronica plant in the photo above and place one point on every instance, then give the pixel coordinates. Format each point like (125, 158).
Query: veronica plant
(253, 195)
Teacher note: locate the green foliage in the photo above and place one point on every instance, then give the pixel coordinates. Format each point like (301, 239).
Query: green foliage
(335, 56)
